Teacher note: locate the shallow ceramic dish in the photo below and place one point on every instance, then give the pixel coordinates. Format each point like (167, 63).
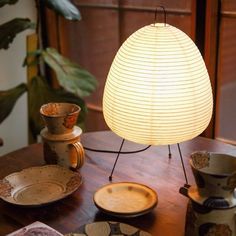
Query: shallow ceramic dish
(108, 228)
(125, 199)
(37, 186)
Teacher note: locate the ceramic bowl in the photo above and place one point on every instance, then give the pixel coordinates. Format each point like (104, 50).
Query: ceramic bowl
(215, 173)
(60, 118)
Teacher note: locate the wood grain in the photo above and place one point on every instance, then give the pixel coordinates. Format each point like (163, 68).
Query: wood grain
(152, 168)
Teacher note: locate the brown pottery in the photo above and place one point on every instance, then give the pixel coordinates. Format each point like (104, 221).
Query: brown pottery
(61, 137)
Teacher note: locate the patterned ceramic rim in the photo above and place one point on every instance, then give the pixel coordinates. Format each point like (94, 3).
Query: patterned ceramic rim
(58, 104)
(109, 228)
(71, 184)
(120, 214)
(200, 160)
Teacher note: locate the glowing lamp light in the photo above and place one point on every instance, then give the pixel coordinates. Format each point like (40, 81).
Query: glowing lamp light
(158, 91)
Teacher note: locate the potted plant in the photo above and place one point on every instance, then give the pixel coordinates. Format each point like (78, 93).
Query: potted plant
(74, 82)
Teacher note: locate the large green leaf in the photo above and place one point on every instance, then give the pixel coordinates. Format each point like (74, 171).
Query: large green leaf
(40, 93)
(70, 76)
(4, 2)
(64, 8)
(9, 30)
(8, 99)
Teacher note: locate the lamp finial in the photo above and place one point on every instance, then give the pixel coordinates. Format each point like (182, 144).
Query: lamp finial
(164, 12)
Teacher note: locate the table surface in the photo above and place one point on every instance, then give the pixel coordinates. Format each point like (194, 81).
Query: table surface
(151, 167)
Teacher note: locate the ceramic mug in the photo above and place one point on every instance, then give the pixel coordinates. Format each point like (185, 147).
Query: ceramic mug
(65, 150)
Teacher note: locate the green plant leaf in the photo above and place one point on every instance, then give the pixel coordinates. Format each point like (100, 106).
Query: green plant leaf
(8, 99)
(40, 93)
(9, 30)
(64, 8)
(4, 2)
(70, 76)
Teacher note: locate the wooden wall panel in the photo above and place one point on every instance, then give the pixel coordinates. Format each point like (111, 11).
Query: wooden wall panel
(96, 3)
(228, 5)
(226, 112)
(227, 59)
(209, 48)
(133, 20)
(93, 43)
(136, 14)
(50, 33)
(152, 4)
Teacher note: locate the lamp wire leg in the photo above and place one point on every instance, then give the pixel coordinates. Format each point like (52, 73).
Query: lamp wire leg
(117, 157)
(169, 152)
(182, 162)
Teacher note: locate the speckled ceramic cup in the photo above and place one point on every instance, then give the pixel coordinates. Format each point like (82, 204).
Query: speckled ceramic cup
(215, 173)
(63, 149)
(60, 118)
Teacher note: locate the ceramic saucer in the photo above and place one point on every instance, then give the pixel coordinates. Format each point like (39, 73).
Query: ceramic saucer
(211, 201)
(37, 186)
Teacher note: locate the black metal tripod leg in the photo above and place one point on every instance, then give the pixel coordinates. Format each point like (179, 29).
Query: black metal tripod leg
(169, 152)
(182, 162)
(110, 177)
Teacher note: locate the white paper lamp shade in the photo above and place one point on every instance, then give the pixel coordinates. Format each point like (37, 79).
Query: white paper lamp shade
(158, 91)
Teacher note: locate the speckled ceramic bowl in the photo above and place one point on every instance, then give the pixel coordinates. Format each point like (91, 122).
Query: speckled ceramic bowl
(215, 175)
(60, 118)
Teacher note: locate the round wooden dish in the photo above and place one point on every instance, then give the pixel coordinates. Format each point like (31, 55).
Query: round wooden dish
(125, 199)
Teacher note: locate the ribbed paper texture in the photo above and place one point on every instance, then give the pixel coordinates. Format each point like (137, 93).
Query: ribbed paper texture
(158, 89)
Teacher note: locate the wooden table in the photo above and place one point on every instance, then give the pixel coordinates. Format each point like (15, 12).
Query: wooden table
(151, 167)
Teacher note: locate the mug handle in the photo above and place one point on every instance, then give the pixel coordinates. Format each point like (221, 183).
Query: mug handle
(76, 155)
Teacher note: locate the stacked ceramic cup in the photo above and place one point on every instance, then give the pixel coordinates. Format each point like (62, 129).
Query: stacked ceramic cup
(61, 137)
(213, 200)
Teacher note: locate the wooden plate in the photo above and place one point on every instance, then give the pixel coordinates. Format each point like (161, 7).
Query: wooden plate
(125, 199)
(37, 186)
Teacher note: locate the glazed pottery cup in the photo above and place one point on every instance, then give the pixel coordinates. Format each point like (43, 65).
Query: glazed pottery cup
(63, 149)
(215, 174)
(60, 118)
